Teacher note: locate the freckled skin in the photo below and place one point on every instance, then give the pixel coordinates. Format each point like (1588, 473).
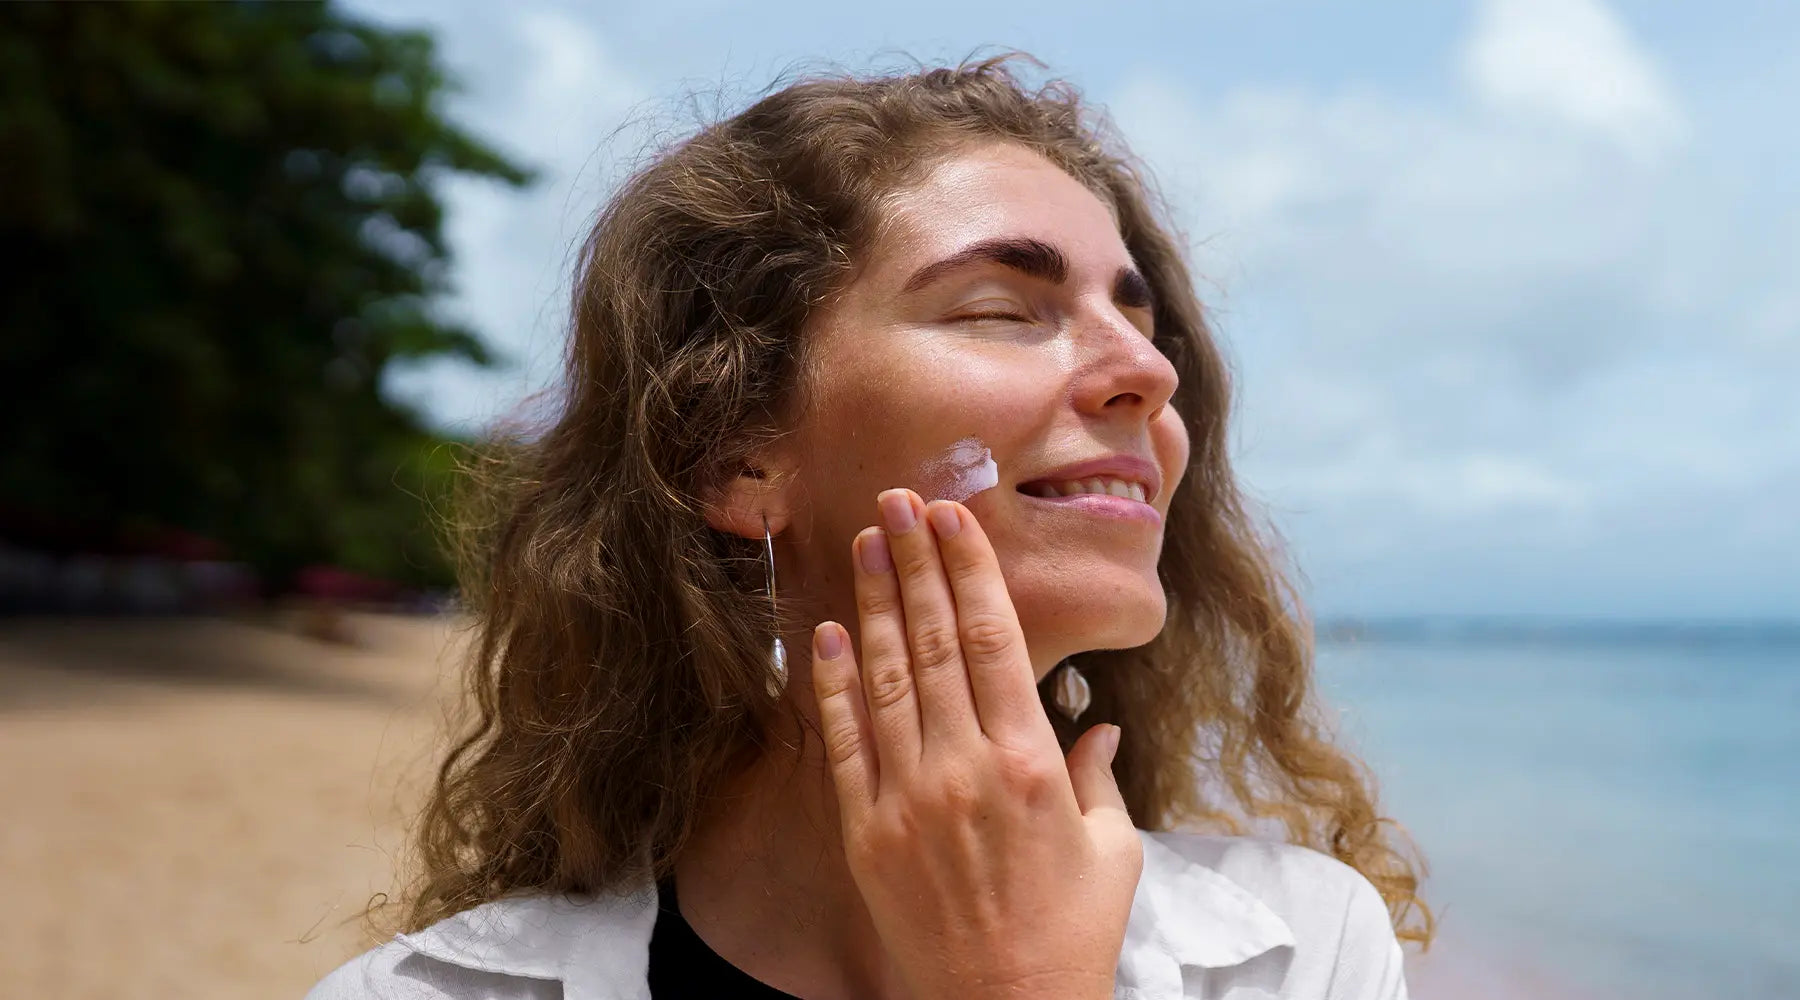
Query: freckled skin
(1072, 376)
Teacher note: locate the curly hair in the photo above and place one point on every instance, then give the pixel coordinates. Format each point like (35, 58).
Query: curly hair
(618, 662)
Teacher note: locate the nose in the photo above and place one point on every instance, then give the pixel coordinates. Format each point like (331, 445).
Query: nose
(1119, 372)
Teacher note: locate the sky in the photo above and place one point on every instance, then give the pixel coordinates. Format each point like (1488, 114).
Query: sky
(1511, 288)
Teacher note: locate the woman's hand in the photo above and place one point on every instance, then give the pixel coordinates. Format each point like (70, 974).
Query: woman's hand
(992, 868)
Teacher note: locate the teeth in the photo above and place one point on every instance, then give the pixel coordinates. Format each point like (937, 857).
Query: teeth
(1102, 486)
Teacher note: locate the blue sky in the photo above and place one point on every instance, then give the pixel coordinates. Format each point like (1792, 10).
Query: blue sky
(1512, 287)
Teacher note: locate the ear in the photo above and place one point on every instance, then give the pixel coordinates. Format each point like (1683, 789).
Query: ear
(763, 488)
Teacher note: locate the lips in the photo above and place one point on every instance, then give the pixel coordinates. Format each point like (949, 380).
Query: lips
(1128, 468)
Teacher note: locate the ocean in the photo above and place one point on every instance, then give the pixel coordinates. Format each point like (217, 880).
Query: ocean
(1620, 804)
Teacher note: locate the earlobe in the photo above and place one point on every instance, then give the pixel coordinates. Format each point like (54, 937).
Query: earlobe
(740, 505)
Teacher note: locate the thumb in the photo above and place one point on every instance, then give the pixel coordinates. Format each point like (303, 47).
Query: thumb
(1090, 769)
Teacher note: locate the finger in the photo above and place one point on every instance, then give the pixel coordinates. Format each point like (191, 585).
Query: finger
(887, 679)
(1091, 773)
(946, 704)
(843, 720)
(993, 643)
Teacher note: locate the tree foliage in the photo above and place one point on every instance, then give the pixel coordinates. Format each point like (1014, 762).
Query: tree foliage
(224, 224)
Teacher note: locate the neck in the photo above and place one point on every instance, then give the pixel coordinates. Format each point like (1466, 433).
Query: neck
(764, 882)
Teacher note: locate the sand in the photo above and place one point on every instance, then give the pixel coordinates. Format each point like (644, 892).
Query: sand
(201, 808)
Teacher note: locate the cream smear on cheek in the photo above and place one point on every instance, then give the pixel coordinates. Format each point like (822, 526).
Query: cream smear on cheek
(963, 470)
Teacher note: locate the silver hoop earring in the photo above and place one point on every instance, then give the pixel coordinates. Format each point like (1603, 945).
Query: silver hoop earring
(778, 650)
(1071, 691)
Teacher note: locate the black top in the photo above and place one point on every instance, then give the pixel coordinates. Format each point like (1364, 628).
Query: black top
(682, 967)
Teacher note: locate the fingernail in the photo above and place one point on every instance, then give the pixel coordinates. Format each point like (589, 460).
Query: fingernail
(944, 519)
(897, 511)
(875, 557)
(1112, 742)
(828, 642)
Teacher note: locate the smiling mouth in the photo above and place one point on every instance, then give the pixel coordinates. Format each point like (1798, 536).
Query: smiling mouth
(1093, 503)
(1126, 489)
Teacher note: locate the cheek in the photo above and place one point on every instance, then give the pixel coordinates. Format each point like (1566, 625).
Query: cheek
(930, 406)
(964, 469)
(879, 422)
(933, 418)
(1169, 436)
(858, 392)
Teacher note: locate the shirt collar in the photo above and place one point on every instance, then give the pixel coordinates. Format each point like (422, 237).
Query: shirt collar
(1189, 915)
(1184, 914)
(598, 946)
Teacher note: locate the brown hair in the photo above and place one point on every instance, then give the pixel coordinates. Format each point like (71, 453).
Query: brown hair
(618, 663)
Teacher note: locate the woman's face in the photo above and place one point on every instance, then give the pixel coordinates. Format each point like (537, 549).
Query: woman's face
(999, 305)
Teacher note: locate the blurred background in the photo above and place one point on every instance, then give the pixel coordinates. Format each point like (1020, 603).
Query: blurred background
(1512, 288)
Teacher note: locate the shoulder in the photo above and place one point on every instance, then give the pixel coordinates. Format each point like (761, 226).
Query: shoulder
(394, 971)
(1339, 921)
(525, 947)
(1289, 878)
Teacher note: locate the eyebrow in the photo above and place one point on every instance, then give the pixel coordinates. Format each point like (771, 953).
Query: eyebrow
(1032, 257)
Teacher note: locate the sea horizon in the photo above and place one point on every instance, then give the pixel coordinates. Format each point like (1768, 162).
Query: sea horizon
(1502, 627)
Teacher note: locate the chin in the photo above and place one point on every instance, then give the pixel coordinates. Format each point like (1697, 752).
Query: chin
(1128, 617)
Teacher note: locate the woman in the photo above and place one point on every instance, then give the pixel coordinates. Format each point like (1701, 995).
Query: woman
(902, 375)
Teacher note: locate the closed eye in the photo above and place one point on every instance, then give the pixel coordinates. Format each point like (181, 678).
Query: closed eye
(971, 317)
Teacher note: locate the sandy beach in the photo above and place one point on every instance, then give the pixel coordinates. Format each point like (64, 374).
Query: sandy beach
(202, 808)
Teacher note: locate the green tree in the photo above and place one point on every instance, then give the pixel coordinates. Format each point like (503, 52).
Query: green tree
(224, 224)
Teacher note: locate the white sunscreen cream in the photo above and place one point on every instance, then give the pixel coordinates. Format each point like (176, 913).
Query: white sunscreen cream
(965, 469)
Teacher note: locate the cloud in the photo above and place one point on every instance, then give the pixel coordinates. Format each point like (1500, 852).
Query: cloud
(1517, 333)
(1527, 344)
(1574, 62)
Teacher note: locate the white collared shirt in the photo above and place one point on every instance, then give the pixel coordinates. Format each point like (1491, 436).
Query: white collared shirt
(1214, 918)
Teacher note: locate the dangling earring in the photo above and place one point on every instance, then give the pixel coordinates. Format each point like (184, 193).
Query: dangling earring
(1071, 690)
(778, 651)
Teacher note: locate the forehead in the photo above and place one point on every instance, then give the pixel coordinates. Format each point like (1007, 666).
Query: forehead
(989, 191)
